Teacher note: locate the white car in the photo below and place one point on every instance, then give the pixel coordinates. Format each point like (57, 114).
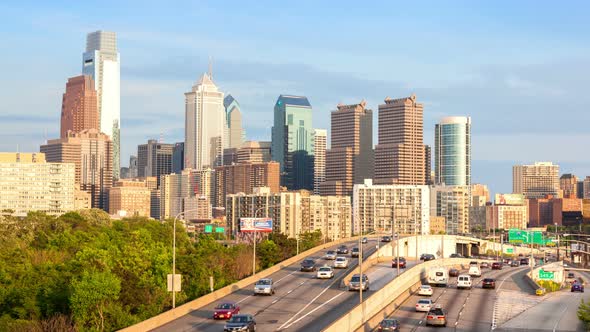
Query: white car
(325, 272)
(424, 305)
(425, 290)
(330, 255)
(340, 262)
(464, 281)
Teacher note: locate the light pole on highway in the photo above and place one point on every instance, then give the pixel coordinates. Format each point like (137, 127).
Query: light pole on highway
(174, 254)
(255, 233)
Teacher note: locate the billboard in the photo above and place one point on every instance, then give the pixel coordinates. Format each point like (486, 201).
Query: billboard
(263, 225)
(509, 199)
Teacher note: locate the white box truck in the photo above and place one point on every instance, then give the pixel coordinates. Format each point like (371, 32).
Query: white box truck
(438, 276)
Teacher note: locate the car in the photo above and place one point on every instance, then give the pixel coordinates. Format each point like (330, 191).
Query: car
(424, 305)
(427, 257)
(497, 266)
(464, 281)
(225, 310)
(364, 240)
(402, 262)
(389, 324)
(325, 272)
(456, 256)
(341, 262)
(355, 252)
(453, 272)
(524, 261)
(488, 283)
(577, 287)
(436, 316)
(571, 277)
(240, 323)
(330, 255)
(514, 263)
(484, 265)
(425, 290)
(264, 286)
(386, 239)
(342, 250)
(308, 265)
(355, 283)
(474, 271)
(473, 263)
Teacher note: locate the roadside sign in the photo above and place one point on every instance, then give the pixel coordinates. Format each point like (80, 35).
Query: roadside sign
(509, 250)
(208, 228)
(261, 225)
(545, 275)
(518, 236)
(177, 281)
(219, 229)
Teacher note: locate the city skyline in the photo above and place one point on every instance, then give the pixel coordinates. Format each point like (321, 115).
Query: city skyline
(501, 81)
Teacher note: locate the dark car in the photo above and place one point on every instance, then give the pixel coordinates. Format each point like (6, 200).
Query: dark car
(428, 257)
(453, 272)
(389, 324)
(342, 250)
(402, 262)
(240, 323)
(386, 239)
(456, 256)
(354, 252)
(308, 265)
(515, 263)
(524, 261)
(577, 287)
(226, 310)
(497, 266)
(488, 283)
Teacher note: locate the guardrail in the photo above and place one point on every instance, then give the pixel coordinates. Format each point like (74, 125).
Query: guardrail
(170, 315)
(375, 305)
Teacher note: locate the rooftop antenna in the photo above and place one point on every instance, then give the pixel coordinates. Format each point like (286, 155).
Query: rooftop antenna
(210, 67)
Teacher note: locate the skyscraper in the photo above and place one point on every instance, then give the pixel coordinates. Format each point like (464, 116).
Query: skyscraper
(233, 114)
(350, 158)
(399, 154)
(178, 157)
(292, 141)
(536, 181)
(205, 125)
(452, 151)
(253, 152)
(320, 137)
(569, 184)
(154, 159)
(79, 107)
(101, 61)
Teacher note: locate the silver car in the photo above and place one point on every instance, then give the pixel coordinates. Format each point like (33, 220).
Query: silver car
(355, 283)
(330, 255)
(340, 262)
(264, 286)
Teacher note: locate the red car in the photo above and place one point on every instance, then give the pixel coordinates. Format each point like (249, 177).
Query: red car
(402, 262)
(226, 310)
(488, 283)
(497, 266)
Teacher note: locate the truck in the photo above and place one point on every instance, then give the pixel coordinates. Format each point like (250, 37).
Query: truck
(438, 276)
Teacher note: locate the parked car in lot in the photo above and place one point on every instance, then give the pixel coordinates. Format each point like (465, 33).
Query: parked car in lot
(330, 255)
(401, 262)
(264, 286)
(424, 305)
(577, 287)
(355, 283)
(240, 323)
(386, 239)
(225, 310)
(308, 265)
(427, 257)
(436, 316)
(340, 262)
(325, 272)
(389, 324)
(453, 272)
(342, 250)
(488, 283)
(497, 265)
(364, 240)
(425, 290)
(355, 252)
(464, 281)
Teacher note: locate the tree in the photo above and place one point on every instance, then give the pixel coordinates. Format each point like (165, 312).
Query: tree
(91, 296)
(584, 312)
(268, 254)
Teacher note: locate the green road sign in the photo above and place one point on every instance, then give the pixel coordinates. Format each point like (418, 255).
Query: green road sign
(526, 237)
(219, 229)
(545, 275)
(208, 228)
(509, 250)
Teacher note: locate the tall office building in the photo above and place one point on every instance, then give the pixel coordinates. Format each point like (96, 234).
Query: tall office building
(233, 114)
(320, 138)
(205, 125)
(452, 151)
(536, 181)
(452, 203)
(399, 154)
(428, 165)
(178, 157)
(29, 183)
(379, 207)
(133, 170)
(350, 158)
(292, 141)
(92, 152)
(568, 183)
(253, 152)
(79, 107)
(101, 61)
(154, 159)
(586, 188)
(233, 179)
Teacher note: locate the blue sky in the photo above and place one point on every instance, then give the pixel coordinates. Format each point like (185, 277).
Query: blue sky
(520, 69)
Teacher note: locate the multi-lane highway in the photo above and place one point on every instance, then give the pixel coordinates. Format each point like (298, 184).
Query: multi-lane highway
(467, 310)
(301, 302)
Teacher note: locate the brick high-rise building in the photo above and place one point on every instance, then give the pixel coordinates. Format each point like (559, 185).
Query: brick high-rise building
(399, 154)
(350, 158)
(569, 184)
(154, 159)
(536, 181)
(130, 198)
(79, 107)
(244, 178)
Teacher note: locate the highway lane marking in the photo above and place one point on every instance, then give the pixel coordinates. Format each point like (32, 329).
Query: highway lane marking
(494, 312)
(276, 282)
(312, 311)
(560, 317)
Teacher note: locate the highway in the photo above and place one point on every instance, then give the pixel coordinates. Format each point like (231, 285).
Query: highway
(467, 310)
(301, 302)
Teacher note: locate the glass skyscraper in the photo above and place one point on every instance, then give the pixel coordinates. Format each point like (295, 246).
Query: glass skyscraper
(452, 151)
